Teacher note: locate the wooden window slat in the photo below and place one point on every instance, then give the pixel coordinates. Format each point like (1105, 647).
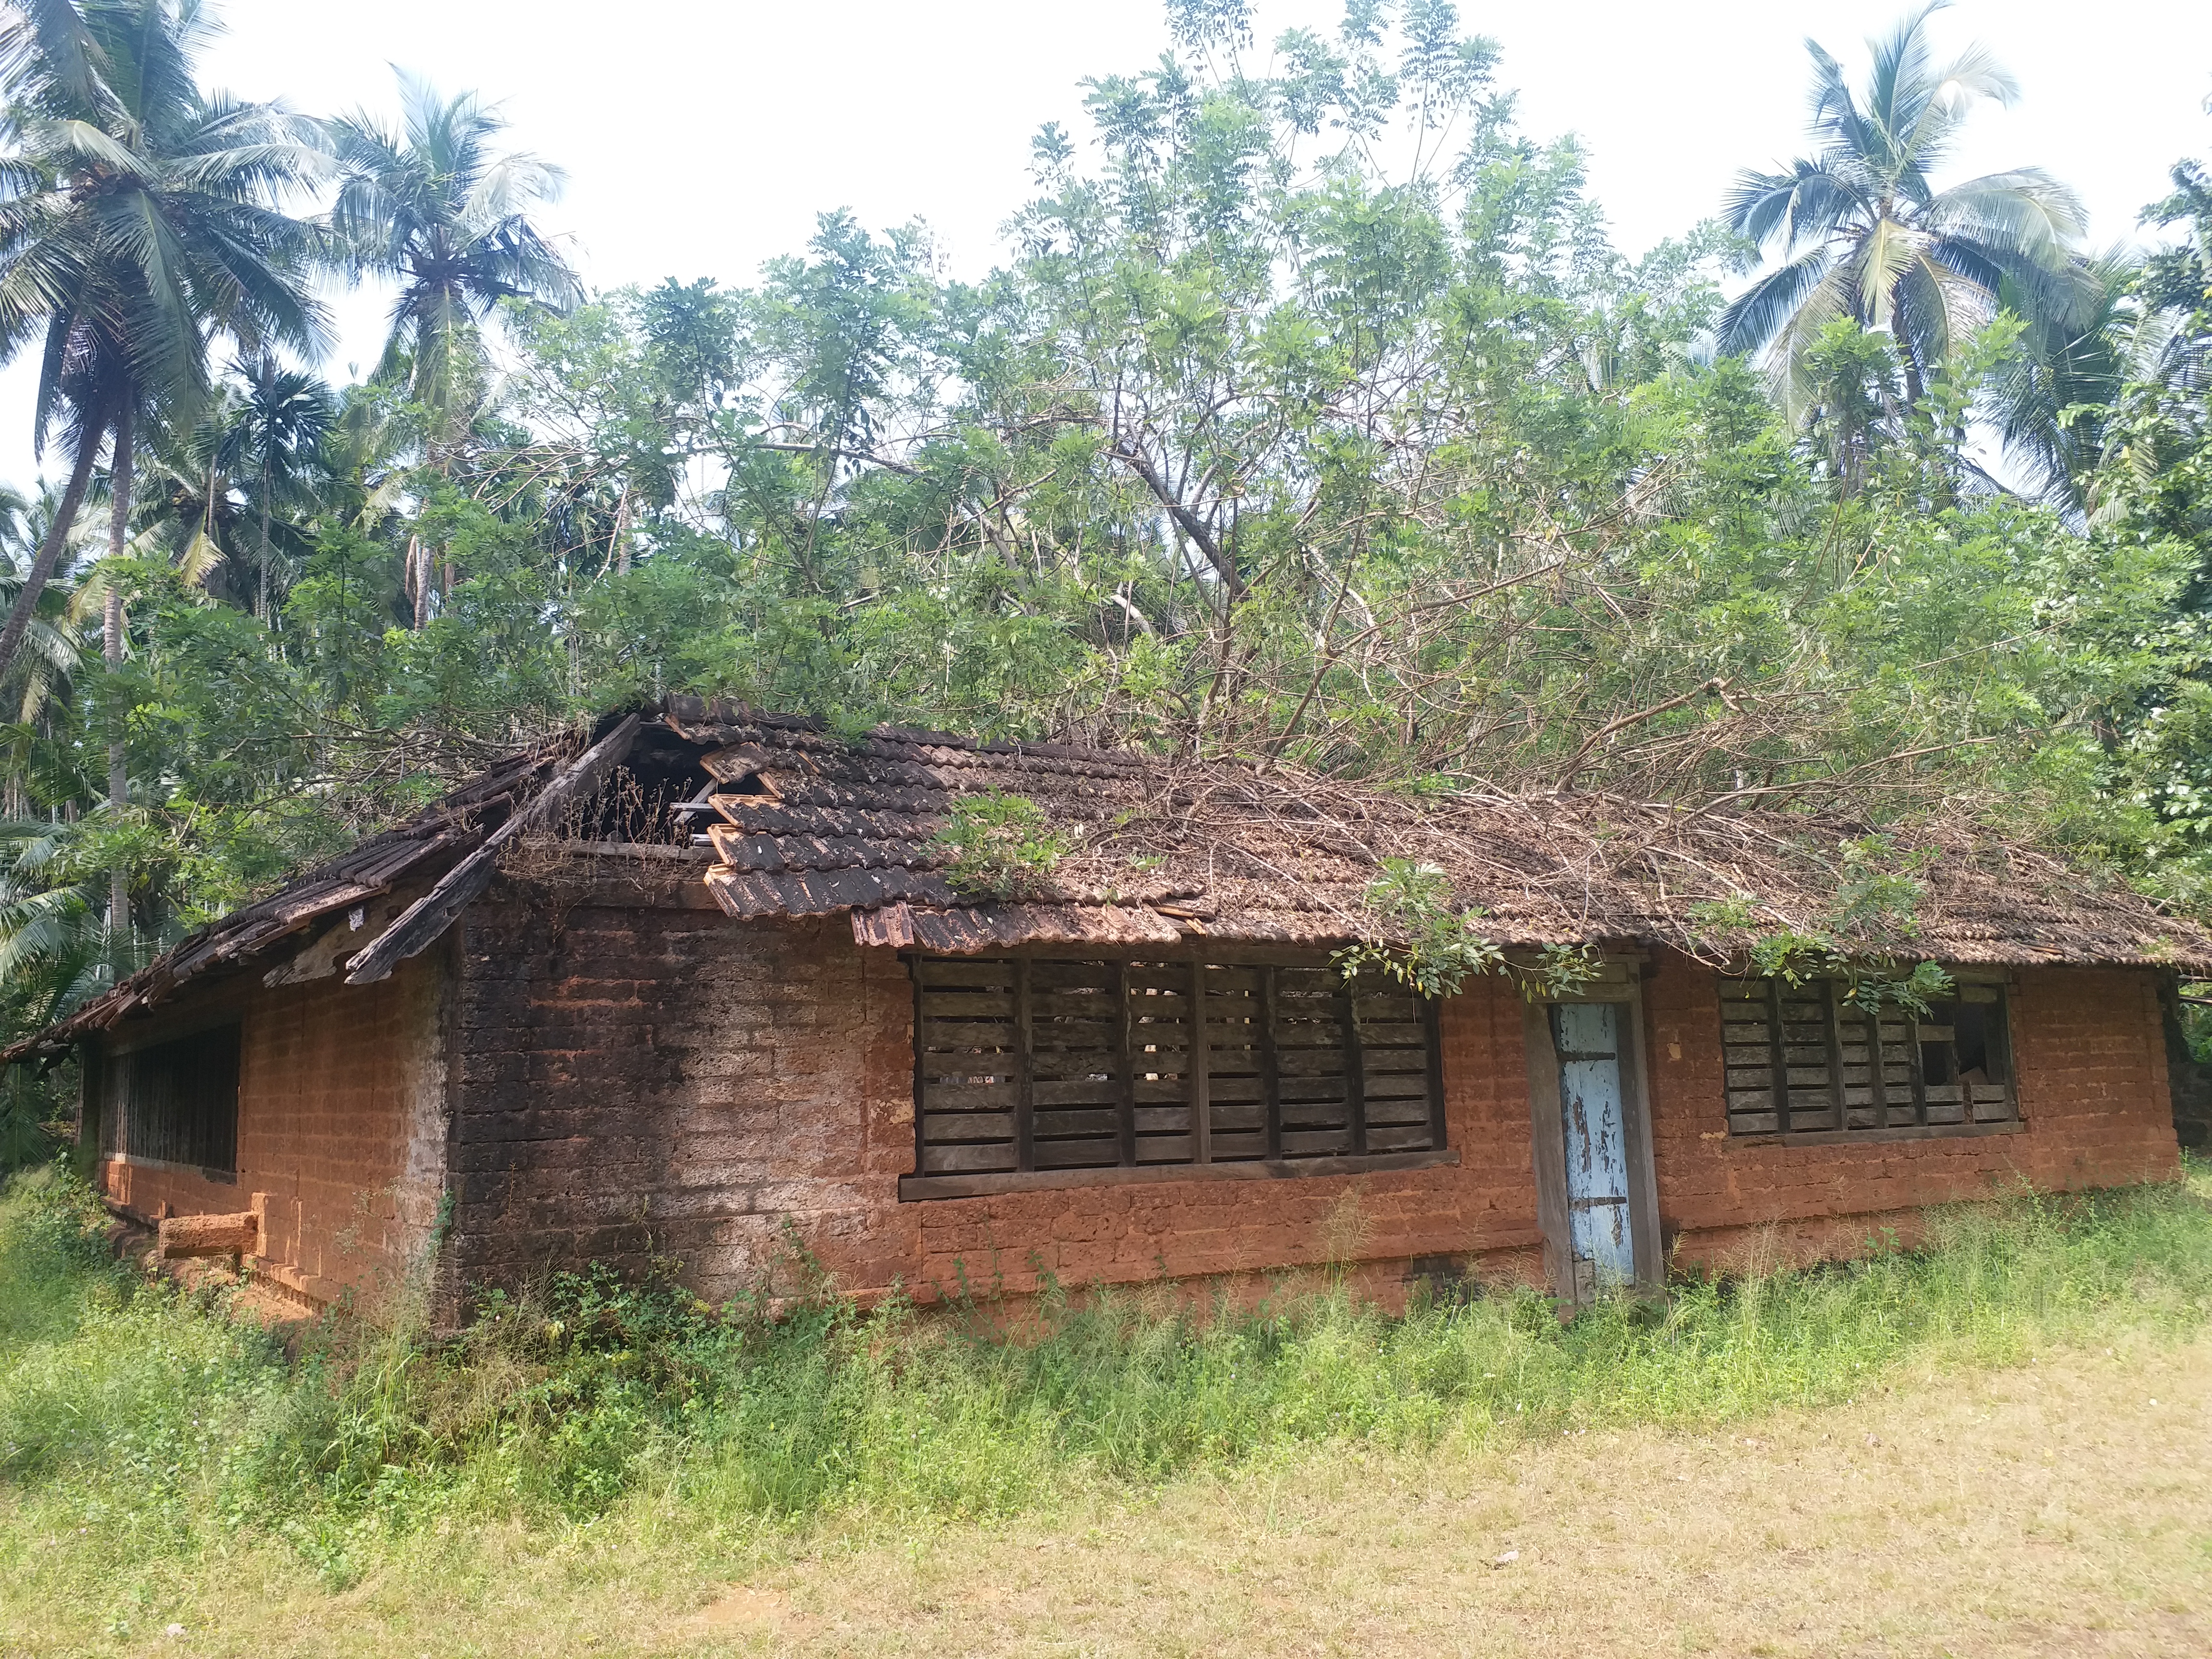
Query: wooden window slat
(1125, 1142)
(1823, 1066)
(1919, 1077)
(1877, 1085)
(1271, 1088)
(1028, 1063)
(1201, 1107)
(1025, 1073)
(175, 1102)
(1355, 1070)
(1832, 1031)
(1775, 1047)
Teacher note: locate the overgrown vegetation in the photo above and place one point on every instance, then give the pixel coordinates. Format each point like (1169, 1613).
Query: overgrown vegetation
(998, 846)
(1437, 947)
(1864, 937)
(154, 1420)
(1434, 948)
(1308, 416)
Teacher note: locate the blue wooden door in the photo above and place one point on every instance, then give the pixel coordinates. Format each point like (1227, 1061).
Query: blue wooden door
(1588, 1036)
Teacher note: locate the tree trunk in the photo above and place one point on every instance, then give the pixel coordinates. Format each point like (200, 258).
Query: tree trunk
(50, 552)
(119, 774)
(418, 580)
(263, 612)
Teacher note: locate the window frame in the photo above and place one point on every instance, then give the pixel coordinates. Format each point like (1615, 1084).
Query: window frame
(1257, 1074)
(1989, 1107)
(212, 1130)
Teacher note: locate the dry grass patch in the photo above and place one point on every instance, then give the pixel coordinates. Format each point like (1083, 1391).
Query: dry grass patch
(2052, 1509)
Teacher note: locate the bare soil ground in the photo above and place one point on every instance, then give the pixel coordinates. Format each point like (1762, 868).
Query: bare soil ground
(2064, 1508)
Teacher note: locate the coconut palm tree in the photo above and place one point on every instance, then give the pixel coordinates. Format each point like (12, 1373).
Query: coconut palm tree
(2071, 362)
(438, 211)
(139, 217)
(190, 509)
(54, 956)
(1860, 230)
(56, 952)
(276, 440)
(52, 644)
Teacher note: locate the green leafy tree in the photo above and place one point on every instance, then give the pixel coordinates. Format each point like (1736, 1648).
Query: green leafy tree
(1312, 419)
(2151, 485)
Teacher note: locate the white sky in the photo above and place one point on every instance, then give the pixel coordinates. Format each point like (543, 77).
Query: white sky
(701, 137)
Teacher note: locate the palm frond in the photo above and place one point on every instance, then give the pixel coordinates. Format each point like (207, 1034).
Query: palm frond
(1897, 84)
(199, 559)
(1787, 211)
(47, 53)
(2026, 213)
(1759, 313)
(81, 141)
(1937, 306)
(1881, 256)
(1833, 109)
(1788, 356)
(1951, 94)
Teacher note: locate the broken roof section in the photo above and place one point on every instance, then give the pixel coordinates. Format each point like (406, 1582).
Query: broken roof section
(804, 820)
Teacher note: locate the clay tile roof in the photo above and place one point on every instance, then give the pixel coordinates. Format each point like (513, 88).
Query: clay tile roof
(805, 821)
(810, 822)
(428, 843)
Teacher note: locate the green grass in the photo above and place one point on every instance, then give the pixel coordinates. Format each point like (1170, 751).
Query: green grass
(144, 1425)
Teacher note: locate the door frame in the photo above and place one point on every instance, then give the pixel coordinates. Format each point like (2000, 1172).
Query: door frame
(1547, 1122)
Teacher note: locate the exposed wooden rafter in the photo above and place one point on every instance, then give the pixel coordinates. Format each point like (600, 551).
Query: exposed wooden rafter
(424, 922)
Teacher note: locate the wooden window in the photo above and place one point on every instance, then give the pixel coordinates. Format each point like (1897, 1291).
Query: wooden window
(175, 1103)
(1024, 1066)
(1805, 1060)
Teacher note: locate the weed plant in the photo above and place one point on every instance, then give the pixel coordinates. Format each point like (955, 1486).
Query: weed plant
(140, 1419)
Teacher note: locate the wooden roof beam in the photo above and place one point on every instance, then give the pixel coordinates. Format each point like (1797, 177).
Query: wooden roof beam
(424, 922)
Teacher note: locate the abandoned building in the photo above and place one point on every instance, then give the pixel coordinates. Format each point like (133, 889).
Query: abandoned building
(697, 981)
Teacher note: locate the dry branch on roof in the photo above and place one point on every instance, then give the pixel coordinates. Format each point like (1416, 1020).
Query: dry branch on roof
(814, 822)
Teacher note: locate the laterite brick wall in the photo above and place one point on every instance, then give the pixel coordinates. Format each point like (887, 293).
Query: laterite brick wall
(636, 1081)
(2089, 1056)
(341, 1127)
(1479, 1214)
